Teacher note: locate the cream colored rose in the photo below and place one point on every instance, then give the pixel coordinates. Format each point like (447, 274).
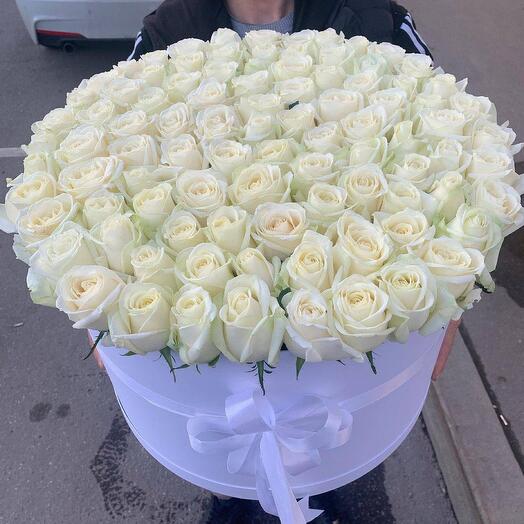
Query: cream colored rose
(98, 114)
(133, 122)
(141, 323)
(127, 68)
(80, 97)
(153, 73)
(360, 246)
(25, 190)
(365, 186)
(334, 54)
(293, 122)
(416, 169)
(370, 151)
(226, 156)
(325, 205)
(473, 106)
(87, 295)
(417, 66)
(291, 65)
(407, 228)
(393, 54)
(135, 150)
(261, 59)
(335, 104)
(174, 121)
(308, 335)
(251, 261)
(370, 122)
(182, 151)
(278, 151)
(328, 76)
(41, 161)
(186, 46)
(180, 231)
(325, 138)
(490, 162)
(403, 142)
(252, 324)
(449, 155)
(136, 179)
(201, 192)
(251, 84)
(425, 103)
(441, 123)
(483, 133)
(216, 122)
(188, 62)
(371, 62)
(412, 292)
(309, 168)
(57, 122)
(444, 85)
(192, 314)
(448, 190)
(123, 91)
(259, 127)
(82, 179)
(500, 200)
(402, 195)
(279, 228)
(365, 82)
(210, 92)
(298, 89)
(393, 100)
(41, 142)
(263, 37)
(224, 36)
(453, 265)
(405, 82)
(360, 313)
(179, 85)
(101, 205)
(311, 263)
(229, 227)
(158, 57)
(230, 53)
(152, 100)
(152, 206)
(117, 236)
(82, 143)
(40, 219)
(152, 264)
(204, 265)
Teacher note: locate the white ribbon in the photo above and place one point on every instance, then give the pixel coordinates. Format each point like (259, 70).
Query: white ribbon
(273, 445)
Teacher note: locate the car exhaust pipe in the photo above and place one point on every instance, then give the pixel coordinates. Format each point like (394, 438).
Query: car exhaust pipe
(68, 47)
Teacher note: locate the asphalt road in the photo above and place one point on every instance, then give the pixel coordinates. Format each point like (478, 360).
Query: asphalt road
(65, 453)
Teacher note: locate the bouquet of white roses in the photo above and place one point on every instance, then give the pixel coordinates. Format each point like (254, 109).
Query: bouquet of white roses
(235, 197)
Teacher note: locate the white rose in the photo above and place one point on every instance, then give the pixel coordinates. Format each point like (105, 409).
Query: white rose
(25, 190)
(407, 228)
(453, 265)
(123, 91)
(218, 121)
(444, 85)
(473, 106)
(210, 92)
(251, 261)
(101, 205)
(117, 236)
(141, 323)
(365, 186)
(365, 82)
(204, 265)
(41, 161)
(174, 121)
(291, 65)
(448, 190)
(133, 122)
(334, 54)
(393, 100)
(252, 323)
(261, 59)
(263, 37)
(415, 169)
(87, 295)
(418, 66)
(500, 200)
(440, 123)
(360, 313)
(127, 68)
(158, 57)
(307, 332)
(186, 46)
(259, 127)
(80, 97)
(490, 162)
(153, 74)
(449, 155)
(361, 247)
(97, 114)
(152, 100)
(311, 263)
(100, 80)
(229, 227)
(405, 82)
(152, 264)
(483, 132)
(328, 76)
(403, 142)
(153, 205)
(278, 151)
(293, 122)
(370, 122)
(135, 150)
(57, 122)
(41, 142)
(200, 191)
(82, 143)
(180, 231)
(369, 151)
(412, 292)
(179, 85)
(424, 103)
(224, 36)
(335, 104)
(279, 228)
(263, 103)
(227, 155)
(191, 317)
(325, 204)
(298, 89)
(325, 138)
(84, 178)
(181, 151)
(251, 84)
(371, 62)
(393, 54)
(189, 62)
(402, 195)
(136, 179)
(309, 168)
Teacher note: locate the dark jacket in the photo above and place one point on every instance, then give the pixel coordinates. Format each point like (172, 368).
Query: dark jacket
(378, 20)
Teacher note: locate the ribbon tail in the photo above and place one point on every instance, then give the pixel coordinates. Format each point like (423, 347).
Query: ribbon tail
(273, 489)
(309, 513)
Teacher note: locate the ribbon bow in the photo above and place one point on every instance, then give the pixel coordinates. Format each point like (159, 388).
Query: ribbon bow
(273, 445)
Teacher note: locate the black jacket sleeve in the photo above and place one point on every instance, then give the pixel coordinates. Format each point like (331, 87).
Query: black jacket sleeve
(405, 32)
(142, 45)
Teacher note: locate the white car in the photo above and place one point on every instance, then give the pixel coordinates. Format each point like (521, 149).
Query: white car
(61, 23)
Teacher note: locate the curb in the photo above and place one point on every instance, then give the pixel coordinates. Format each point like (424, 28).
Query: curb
(483, 479)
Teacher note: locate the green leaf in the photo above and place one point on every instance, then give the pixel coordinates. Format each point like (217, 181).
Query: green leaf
(298, 365)
(129, 354)
(93, 347)
(260, 372)
(183, 366)
(281, 295)
(168, 357)
(213, 362)
(369, 354)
